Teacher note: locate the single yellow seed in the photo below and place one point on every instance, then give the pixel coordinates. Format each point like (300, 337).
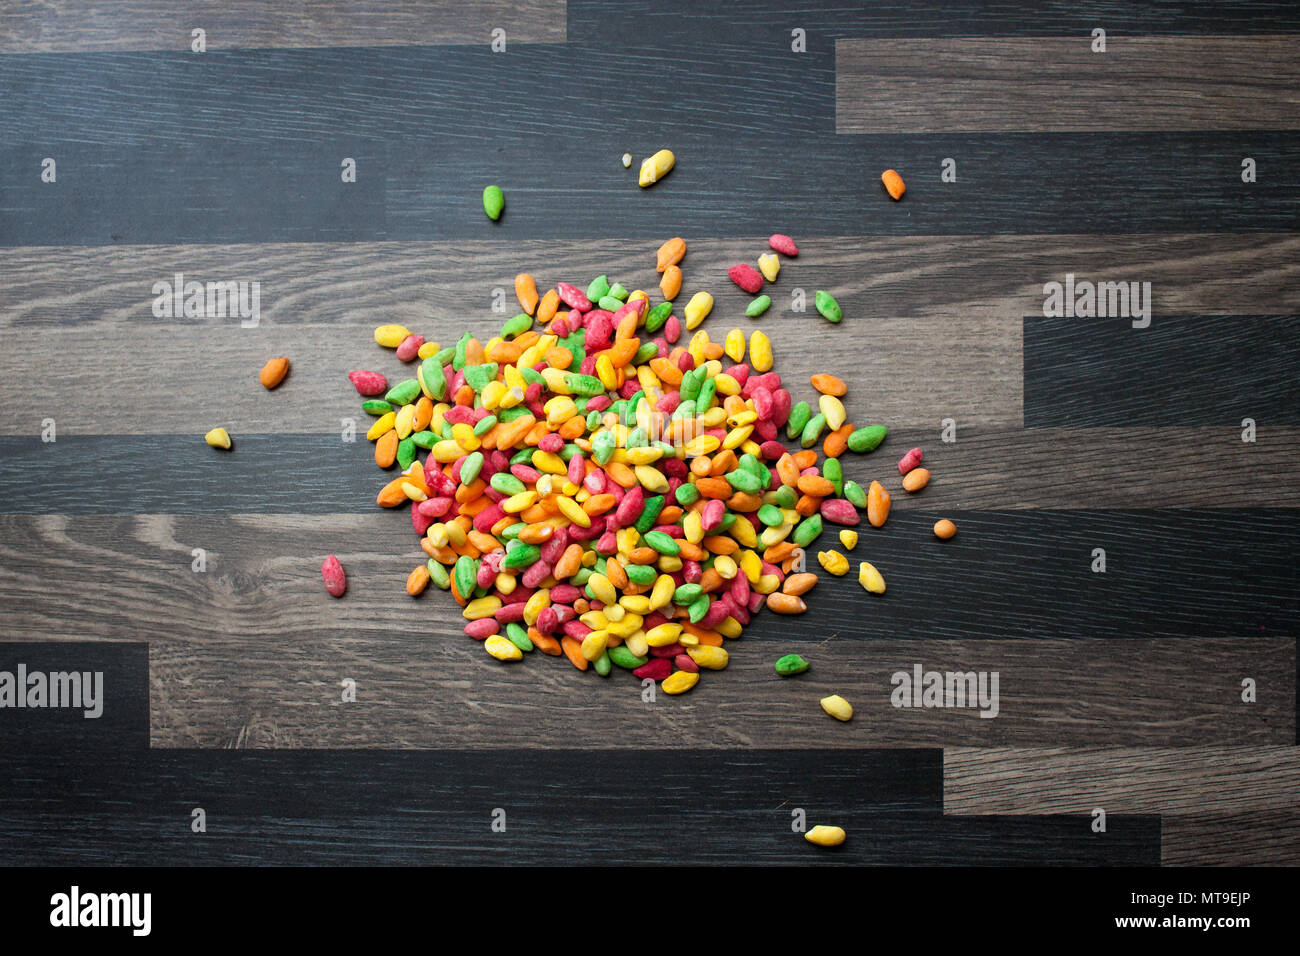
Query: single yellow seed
(726, 566)
(413, 492)
(833, 409)
(662, 592)
(428, 349)
(652, 479)
(870, 578)
(573, 511)
(734, 345)
(698, 309)
(517, 503)
(760, 352)
(825, 836)
(656, 167)
(837, 707)
(834, 562)
(679, 682)
(707, 656)
(220, 438)
(725, 384)
(663, 635)
(635, 642)
(602, 589)
(769, 265)
(614, 613)
(381, 426)
(482, 607)
(593, 645)
(502, 649)
(405, 419)
(636, 603)
(391, 336)
(535, 605)
(438, 535)
(627, 160)
(848, 538)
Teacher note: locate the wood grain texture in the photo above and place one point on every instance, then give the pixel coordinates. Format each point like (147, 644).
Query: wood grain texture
(103, 25)
(1219, 805)
(251, 652)
(945, 318)
(1044, 84)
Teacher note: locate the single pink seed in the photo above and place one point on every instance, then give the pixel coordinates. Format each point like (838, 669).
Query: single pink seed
(368, 383)
(840, 511)
(783, 244)
(746, 276)
(482, 629)
(410, 348)
(336, 582)
(909, 461)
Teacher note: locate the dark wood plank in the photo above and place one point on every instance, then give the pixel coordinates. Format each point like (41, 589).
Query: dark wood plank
(1056, 85)
(1266, 838)
(98, 25)
(251, 652)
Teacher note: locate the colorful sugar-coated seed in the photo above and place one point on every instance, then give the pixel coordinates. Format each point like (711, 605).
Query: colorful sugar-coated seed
(791, 664)
(627, 160)
(827, 307)
(893, 184)
(502, 648)
(823, 835)
(916, 479)
(273, 372)
(849, 538)
(769, 265)
(870, 578)
(656, 167)
(837, 707)
(909, 461)
(834, 562)
(944, 529)
(494, 201)
(877, 504)
(760, 352)
(218, 438)
(783, 244)
(758, 306)
(867, 439)
(336, 581)
(746, 276)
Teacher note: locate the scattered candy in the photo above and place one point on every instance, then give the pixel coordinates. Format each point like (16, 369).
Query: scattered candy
(837, 707)
(870, 578)
(273, 372)
(493, 202)
(944, 529)
(627, 160)
(769, 265)
(828, 307)
(849, 538)
(783, 244)
(893, 184)
(656, 167)
(218, 438)
(834, 562)
(916, 479)
(791, 664)
(825, 836)
(746, 276)
(909, 461)
(758, 306)
(331, 571)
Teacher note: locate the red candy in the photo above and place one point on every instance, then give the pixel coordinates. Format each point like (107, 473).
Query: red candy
(747, 277)
(369, 383)
(909, 461)
(783, 244)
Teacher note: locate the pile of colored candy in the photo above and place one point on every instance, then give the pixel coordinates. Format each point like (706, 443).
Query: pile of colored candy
(596, 490)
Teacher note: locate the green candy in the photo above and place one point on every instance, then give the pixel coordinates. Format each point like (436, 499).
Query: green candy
(806, 532)
(699, 608)
(593, 420)
(406, 451)
(854, 493)
(687, 594)
(645, 353)
(800, 412)
(656, 317)
(598, 289)
(470, 467)
(458, 358)
(510, 414)
(580, 578)
(642, 575)
(744, 481)
(444, 356)
(661, 542)
(493, 202)
(439, 575)
(690, 386)
(506, 483)
(637, 438)
(784, 497)
(465, 574)
(618, 291)
(435, 379)
(609, 303)
(518, 325)
(376, 406)
(833, 472)
(601, 665)
(532, 376)
(790, 665)
(770, 515)
(867, 439)
(828, 307)
(813, 430)
(707, 393)
(603, 447)
(587, 385)
(522, 457)
(521, 556)
(758, 306)
(484, 425)
(403, 393)
(624, 658)
(478, 376)
(685, 410)
(687, 494)
(650, 513)
(425, 439)
(727, 521)
(518, 636)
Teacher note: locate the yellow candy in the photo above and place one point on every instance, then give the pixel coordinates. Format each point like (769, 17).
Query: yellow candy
(593, 645)
(663, 635)
(549, 462)
(767, 583)
(559, 410)
(456, 535)
(737, 436)
(662, 592)
(729, 627)
(834, 562)
(502, 649)
(635, 642)
(428, 350)
(734, 345)
(656, 167)
(744, 533)
(825, 836)
(870, 578)
(482, 607)
(412, 492)
(614, 613)
(573, 511)
(446, 450)
(698, 309)
(848, 538)
(391, 336)
(505, 583)
(535, 605)
(404, 420)
(750, 562)
(463, 435)
(629, 624)
(760, 352)
(438, 535)
(636, 603)
(724, 384)
(652, 479)
(644, 456)
(381, 426)
(220, 438)
(638, 295)
(833, 409)
(707, 656)
(837, 707)
(602, 589)
(769, 265)
(494, 393)
(679, 682)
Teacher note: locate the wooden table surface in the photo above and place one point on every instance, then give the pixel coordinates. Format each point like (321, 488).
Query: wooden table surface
(1120, 691)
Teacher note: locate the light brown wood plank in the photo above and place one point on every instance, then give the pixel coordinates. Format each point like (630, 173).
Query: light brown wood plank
(93, 25)
(252, 651)
(942, 317)
(1040, 84)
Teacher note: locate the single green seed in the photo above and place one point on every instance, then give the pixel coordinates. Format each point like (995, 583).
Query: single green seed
(425, 439)
(406, 452)
(532, 376)
(687, 594)
(656, 317)
(813, 430)
(661, 542)
(699, 608)
(642, 575)
(602, 664)
(517, 634)
(744, 481)
(800, 412)
(580, 578)
(603, 446)
(790, 665)
(728, 520)
(618, 291)
(645, 353)
(470, 467)
(493, 202)
(485, 424)
(784, 497)
(807, 531)
(833, 472)
(758, 306)
(458, 359)
(609, 303)
(376, 406)
(624, 658)
(444, 356)
(522, 457)
(598, 288)
(517, 326)
(708, 390)
(828, 307)
(403, 393)
(435, 379)
(439, 574)
(466, 574)
(687, 494)
(867, 439)
(770, 515)
(650, 513)
(510, 414)
(583, 384)
(478, 376)
(521, 556)
(854, 493)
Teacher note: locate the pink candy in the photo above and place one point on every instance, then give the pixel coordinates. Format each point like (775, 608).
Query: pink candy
(368, 383)
(840, 511)
(747, 277)
(783, 244)
(909, 461)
